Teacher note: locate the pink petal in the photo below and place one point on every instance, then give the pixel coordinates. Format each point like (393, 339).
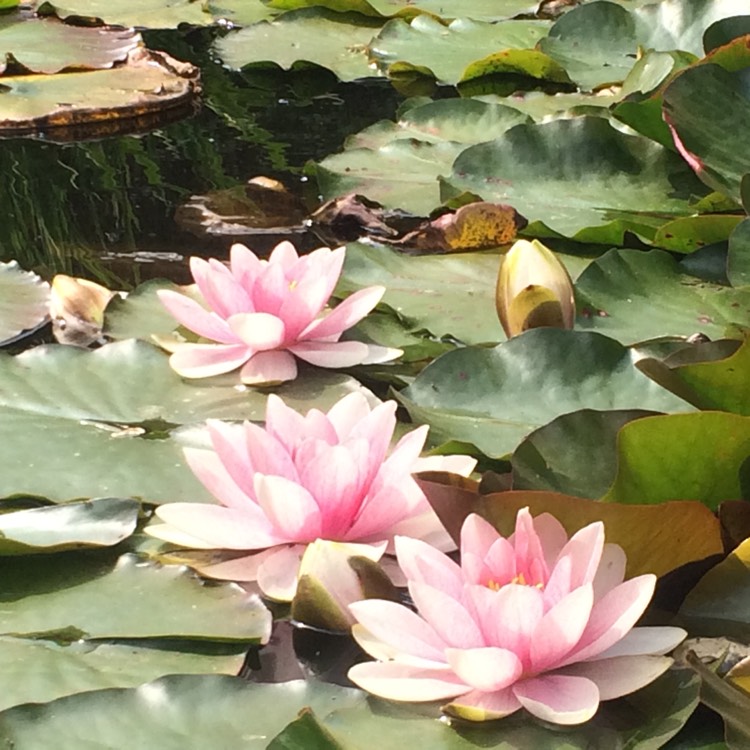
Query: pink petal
(304, 302)
(424, 525)
(345, 315)
(193, 316)
(213, 475)
(240, 569)
(558, 698)
(455, 464)
(611, 571)
(530, 560)
(269, 367)
(206, 360)
(561, 628)
(422, 563)
(477, 536)
(480, 706)
(270, 290)
(487, 668)
(277, 574)
(246, 267)
(585, 551)
(379, 514)
(405, 682)
(353, 412)
(400, 628)
(289, 507)
(219, 288)
(646, 641)
(613, 616)
(284, 423)
(450, 619)
(259, 331)
(170, 534)
(219, 527)
(621, 675)
(284, 255)
(405, 454)
(330, 354)
(559, 583)
(552, 536)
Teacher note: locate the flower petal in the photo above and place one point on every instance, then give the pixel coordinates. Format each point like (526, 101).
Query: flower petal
(422, 563)
(269, 367)
(399, 627)
(450, 619)
(259, 331)
(487, 668)
(277, 574)
(344, 315)
(331, 354)
(223, 293)
(611, 571)
(405, 682)
(620, 675)
(289, 507)
(558, 698)
(206, 360)
(646, 641)
(480, 706)
(213, 475)
(195, 317)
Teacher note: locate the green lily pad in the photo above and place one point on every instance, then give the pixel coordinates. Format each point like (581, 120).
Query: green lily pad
(38, 671)
(240, 12)
(94, 597)
(23, 301)
(332, 40)
(693, 232)
(681, 456)
(402, 174)
(720, 603)
(493, 398)
(575, 176)
(150, 84)
(49, 46)
(458, 120)
(706, 378)
(633, 296)
(725, 31)
(447, 51)
(707, 106)
(149, 14)
(212, 711)
(102, 522)
(556, 457)
(140, 315)
(738, 258)
(541, 106)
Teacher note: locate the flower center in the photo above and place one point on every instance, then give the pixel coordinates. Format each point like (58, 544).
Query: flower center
(520, 579)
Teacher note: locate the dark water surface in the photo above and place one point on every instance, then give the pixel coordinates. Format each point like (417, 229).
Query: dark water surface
(106, 209)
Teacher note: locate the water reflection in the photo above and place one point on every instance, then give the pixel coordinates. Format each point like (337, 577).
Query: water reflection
(105, 209)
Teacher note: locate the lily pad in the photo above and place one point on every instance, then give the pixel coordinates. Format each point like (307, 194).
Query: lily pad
(575, 176)
(447, 51)
(332, 40)
(556, 457)
(149, 14)
(633, 296)
(694, 232)
(707, 106)
(48, 46)
(681, 456)
(62, 599)
(738, 258)
(493, 398)
(102, 522)
(149, 84)
(23, 301)
(38, 671)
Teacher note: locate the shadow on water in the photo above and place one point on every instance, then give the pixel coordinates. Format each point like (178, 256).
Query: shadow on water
(105, 209)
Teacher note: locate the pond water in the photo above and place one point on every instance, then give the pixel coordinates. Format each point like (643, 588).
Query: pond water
(106, 209)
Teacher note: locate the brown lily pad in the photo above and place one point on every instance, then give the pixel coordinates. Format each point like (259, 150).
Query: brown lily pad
(150, 86)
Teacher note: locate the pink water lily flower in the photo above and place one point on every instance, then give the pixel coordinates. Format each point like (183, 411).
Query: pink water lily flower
(261, 314)
(537, 621)
(318, 476)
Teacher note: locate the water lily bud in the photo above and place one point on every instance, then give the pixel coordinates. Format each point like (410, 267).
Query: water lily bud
(332, 576)
(534, 290)
(77, 310)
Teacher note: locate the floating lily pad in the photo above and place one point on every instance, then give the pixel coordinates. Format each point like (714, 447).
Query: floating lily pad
(149, 14)
(102, 522)
(63, 599)
(23, 301)
(240, 12)
(681, 456)
(633, 296)
(38, 671)
(151, 84)
(446, 52)
(575, 176)
(459, 120)
(694, 232)
(707, 107)
(493, 398)
(331, 40)
(738, 259)
(48, 46)
(556, 457)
